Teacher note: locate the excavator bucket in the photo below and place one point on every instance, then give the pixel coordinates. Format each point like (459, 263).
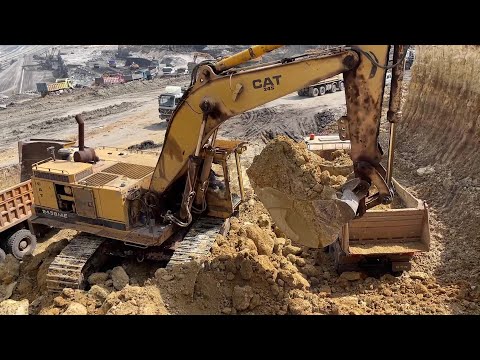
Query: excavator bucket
(306, 202)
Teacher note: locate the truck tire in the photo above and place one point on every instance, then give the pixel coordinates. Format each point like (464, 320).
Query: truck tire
(334, 88)
(21, 243)
(300, 92)
(313, 92)
(341, 86)
(322, 90)
(2, 255)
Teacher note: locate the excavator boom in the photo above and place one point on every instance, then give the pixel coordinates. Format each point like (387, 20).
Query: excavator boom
(217, 95)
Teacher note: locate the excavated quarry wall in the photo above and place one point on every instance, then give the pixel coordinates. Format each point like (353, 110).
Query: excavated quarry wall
(9, 176)
(440, 132)
(442, 108)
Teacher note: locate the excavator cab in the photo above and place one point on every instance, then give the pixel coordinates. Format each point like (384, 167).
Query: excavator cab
(225, 191)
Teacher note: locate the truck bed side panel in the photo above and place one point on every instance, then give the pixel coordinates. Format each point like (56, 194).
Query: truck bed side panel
(15, 205)
(392, 231)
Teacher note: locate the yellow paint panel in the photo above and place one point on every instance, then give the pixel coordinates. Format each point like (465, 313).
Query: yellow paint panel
(63, 167)
(44, 193)
(148, 158)
(110, 205)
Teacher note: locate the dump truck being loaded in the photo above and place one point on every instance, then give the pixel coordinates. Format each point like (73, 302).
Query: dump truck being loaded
(15, 210)
(18, 236)
(385, 236)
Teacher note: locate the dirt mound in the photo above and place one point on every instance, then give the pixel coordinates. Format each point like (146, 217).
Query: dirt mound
(298, 280)
(31, 282)
(87, 115)
(9, 176)
(238, 279)
(266, 123)
(113, 293)
(340, 164)
(145, 145)
(12, 307)
(301, 198)
(438, 142)
(133, 86)
(9, 272)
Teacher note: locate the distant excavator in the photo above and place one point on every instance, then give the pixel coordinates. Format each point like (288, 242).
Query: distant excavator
(165, 207)
(191, 65)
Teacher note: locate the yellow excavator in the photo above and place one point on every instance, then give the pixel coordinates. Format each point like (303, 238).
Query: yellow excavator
(170, 207)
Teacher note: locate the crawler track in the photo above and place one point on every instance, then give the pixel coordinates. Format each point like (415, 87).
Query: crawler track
(198, 241)
(69, 269)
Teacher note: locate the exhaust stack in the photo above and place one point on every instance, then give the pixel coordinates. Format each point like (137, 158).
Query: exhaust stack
(81, 132)
(83, 154)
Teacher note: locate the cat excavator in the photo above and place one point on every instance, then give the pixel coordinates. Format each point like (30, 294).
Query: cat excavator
(170, 206)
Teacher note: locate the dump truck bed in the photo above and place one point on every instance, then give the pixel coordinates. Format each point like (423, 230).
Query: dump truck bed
(393, 235)
(389, 231)
(58, 86)
(333, 78)
(45, 88)
(15, 205)
(112, 79)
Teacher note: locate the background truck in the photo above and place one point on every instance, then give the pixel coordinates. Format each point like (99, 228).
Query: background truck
(383, 237)
(168, 101)
(332, 85)
(137, 75)
(151, 72)
(59, 84)
(106, 79)
(169, 71)
(112, 63)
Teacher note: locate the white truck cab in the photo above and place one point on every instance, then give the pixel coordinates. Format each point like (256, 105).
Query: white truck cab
(169, 71)
(168, 101)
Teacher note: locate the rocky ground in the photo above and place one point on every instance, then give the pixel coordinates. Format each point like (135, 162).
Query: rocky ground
(253, 270)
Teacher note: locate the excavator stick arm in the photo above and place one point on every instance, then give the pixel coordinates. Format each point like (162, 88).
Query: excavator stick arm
(251, 53)
(364, 87)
